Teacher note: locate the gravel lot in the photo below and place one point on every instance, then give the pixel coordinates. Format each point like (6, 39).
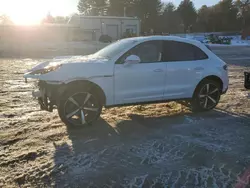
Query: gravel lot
(162, 145)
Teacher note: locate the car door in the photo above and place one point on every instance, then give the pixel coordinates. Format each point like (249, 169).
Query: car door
(184, 68)
(144, 81)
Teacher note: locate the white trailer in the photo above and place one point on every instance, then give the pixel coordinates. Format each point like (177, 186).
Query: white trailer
(115, 27)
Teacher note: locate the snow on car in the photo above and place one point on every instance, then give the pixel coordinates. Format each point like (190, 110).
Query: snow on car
(130, 71)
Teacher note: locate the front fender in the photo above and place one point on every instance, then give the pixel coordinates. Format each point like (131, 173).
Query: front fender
(106, 83)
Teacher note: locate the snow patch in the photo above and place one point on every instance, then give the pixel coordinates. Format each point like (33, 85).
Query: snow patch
(236, 40)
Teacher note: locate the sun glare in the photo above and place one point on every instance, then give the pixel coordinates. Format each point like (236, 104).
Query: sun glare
(26, 19)
(26, 12)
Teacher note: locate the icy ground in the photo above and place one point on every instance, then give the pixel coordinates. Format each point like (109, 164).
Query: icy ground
(160, 145)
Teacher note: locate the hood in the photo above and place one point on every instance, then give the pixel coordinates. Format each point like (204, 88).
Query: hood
(68, 59)
(79, 59)
(66, 68)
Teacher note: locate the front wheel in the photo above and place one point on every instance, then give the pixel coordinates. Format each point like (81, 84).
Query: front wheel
(79, 108)
(206, 96)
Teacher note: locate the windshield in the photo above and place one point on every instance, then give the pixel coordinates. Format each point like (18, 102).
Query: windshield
(114, 48)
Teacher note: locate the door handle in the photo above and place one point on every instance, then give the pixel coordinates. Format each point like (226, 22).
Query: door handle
(158, 70)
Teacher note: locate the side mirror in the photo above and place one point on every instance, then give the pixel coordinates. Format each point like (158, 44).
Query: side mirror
(132, 59)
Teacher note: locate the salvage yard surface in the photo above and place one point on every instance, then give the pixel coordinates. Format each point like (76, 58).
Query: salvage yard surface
(162, 145)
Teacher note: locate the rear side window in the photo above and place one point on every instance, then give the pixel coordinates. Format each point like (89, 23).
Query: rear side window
(199, 54)
(180, 51)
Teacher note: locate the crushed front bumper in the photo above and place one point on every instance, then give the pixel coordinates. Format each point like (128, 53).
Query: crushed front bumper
(48, 95)
(43, 100)
(37, 94)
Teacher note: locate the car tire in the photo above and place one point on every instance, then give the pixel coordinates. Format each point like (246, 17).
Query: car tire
(206, 96)
(79, 107)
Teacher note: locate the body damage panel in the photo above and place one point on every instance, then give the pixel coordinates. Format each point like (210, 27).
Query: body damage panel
(96, 70)
(75, 67)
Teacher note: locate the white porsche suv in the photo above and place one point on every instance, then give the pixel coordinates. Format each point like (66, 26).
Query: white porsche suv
(128, 72)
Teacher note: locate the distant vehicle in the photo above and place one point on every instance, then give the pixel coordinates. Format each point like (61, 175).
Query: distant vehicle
(215, 39)
(128, 72)
(105, 39)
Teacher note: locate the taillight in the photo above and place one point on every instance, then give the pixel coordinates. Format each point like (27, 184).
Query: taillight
(225, 67)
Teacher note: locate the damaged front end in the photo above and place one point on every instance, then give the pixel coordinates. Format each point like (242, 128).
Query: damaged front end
(47, 92)
(47, 95)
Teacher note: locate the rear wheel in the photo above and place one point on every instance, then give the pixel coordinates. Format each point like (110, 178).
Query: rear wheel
(79, 108)
(206, 96)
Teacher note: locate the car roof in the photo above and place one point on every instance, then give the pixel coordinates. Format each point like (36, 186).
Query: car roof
(173, 38)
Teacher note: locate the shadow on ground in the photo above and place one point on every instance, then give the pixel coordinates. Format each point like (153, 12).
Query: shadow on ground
(187, 149)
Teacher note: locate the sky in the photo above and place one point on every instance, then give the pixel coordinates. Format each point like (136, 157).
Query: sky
(26, 12)
(197, 3)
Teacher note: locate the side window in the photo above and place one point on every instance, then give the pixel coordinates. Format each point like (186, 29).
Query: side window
(149, 52)
(199, 54)
(180, 51)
